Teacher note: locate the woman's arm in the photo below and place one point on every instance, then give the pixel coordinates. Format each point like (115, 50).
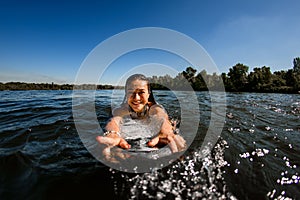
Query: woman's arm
(112, 135)
(114, 124)
(166, 135)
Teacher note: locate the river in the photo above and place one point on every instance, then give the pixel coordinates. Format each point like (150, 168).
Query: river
(255, 157)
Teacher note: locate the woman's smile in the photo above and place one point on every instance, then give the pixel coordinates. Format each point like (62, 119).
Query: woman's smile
(137, 95)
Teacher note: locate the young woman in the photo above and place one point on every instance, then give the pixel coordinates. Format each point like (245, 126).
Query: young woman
(139, 103)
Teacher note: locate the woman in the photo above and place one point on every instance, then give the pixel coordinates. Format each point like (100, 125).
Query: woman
(139, 103)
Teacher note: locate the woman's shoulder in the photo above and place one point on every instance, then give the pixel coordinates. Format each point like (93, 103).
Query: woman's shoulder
(121, 111)
(157, 108)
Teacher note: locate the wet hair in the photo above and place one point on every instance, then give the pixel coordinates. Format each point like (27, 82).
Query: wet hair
(140, 77)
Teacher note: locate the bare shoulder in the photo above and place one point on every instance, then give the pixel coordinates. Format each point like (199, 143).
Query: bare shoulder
(157, 109)
(120, 111)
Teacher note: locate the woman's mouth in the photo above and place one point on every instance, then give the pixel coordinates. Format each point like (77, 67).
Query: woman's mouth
(136, 103)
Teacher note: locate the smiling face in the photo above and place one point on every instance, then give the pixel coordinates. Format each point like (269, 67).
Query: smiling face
(137, 95)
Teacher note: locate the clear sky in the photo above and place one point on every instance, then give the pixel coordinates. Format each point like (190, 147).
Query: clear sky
(45, 41)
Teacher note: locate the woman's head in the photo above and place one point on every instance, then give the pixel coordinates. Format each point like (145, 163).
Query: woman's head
(138, 92)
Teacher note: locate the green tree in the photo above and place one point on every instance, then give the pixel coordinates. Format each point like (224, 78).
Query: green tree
(199, 83)
(296, 63)
(238, 77)
(225, 80)
(180, 82)
(296, 70)
(290, 78)
(260, 80)
(279, 78)
(189, 74)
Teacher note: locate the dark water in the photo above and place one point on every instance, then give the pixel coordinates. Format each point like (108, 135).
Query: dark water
(256, 157)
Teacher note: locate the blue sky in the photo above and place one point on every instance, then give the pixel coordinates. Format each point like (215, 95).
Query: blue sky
(45, 41)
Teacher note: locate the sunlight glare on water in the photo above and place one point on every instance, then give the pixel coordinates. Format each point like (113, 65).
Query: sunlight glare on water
(257, 156)
(197, 175)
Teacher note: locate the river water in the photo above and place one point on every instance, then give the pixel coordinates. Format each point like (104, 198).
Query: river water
(256, 155)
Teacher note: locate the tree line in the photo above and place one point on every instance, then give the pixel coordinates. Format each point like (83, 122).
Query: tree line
(52, 86)
(238, 79)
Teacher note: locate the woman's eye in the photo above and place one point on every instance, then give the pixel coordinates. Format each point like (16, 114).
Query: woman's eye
(132, 94)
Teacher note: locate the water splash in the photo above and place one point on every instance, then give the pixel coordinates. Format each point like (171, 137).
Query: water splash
(197, 175)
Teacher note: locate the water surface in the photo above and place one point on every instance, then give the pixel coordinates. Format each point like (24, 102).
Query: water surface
(257, 155)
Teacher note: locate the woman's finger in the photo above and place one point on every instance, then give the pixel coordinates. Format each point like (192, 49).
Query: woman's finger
(116, 141)
(172, 144)
(180, 142)
(153, 141)
(108, 141)
(123, 144)
(175, 142)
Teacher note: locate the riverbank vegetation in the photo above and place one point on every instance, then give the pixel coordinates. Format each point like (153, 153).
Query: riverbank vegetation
(238, 79)
(52, 86)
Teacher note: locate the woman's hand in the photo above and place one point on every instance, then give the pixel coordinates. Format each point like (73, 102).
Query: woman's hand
(175, 142)
(110, 141)
(166, 134)
(114, 155)
(113, 140)
(113, 137)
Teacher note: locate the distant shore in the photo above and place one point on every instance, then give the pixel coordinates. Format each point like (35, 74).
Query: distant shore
(21, 86)
(52, 86)
(238, 79)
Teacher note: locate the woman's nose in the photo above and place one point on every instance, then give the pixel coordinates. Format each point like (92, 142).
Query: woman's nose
(136, 96)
